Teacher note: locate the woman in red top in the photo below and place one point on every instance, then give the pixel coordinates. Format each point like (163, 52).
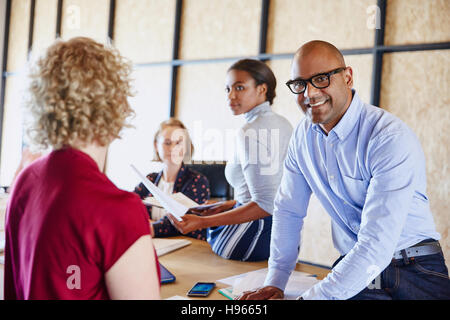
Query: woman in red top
(70, 233)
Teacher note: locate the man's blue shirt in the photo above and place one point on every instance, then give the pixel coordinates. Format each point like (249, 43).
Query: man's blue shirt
(369, 175)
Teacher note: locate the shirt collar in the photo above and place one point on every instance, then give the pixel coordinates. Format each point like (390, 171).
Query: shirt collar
(256, 111)
(348, 121)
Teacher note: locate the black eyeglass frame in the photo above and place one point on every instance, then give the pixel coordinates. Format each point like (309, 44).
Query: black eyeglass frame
(327, 74)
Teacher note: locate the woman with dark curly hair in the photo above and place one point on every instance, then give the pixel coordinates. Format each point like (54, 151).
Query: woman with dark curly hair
(70, 233)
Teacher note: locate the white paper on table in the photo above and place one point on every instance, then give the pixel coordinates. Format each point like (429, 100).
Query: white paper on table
(298, 283)
(164, 246)
(171, 205)
(231, 281)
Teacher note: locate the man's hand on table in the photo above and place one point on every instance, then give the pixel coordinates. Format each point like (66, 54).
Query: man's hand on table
(264, 293)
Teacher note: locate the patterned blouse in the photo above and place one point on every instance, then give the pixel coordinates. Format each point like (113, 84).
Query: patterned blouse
(192, 184)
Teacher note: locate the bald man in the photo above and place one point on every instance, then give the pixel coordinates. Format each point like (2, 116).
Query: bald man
(367, 169)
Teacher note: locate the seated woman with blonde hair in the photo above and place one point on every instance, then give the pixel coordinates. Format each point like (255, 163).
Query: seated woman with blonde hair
(173, 147)
(70, 232)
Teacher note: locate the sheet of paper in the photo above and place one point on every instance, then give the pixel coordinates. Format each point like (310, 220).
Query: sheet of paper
(298, 283)
(171, 205)
(179, 197)
(184, 200)
(236, 278)
(151, 201)
(164, 246)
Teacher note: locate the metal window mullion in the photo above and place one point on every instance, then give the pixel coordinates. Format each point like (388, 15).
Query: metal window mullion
(31, 26)
(111, 21)
(59, 18)
(175, 55)
(378, 55)
(265, 4)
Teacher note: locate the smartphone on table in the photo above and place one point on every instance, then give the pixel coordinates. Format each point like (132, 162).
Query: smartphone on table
(201, 289)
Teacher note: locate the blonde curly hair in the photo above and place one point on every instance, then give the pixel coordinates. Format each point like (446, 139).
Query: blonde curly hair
(78, 94)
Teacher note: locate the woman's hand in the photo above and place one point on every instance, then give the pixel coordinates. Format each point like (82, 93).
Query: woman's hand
(189, 223)
(220, 207)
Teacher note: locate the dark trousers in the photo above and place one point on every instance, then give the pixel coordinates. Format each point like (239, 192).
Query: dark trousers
(418, 278)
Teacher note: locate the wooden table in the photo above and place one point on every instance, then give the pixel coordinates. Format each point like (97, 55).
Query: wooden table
(197, 262)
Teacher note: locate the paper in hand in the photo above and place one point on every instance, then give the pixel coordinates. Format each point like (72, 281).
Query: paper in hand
(171, 205)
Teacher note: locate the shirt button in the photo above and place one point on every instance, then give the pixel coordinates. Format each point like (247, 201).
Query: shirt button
(331, 177)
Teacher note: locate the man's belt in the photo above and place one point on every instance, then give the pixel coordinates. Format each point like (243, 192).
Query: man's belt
(421, 249)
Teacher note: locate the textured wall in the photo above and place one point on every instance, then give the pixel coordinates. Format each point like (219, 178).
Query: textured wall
(44, 25)
(85, 18)
(18, 35)
(219, 28)
(417, 21)
(143, 29)
(415, 87)
(343, 23)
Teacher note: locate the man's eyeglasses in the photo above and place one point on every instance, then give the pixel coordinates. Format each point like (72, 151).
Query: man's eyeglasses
(319, 81)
